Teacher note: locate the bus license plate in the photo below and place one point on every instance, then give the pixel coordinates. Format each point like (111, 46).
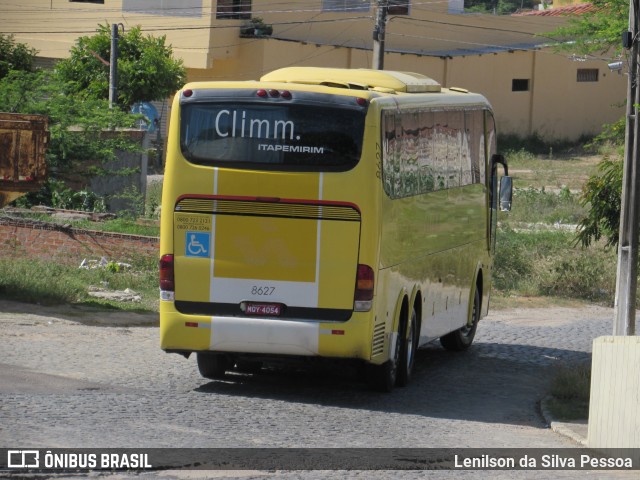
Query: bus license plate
(268, 309)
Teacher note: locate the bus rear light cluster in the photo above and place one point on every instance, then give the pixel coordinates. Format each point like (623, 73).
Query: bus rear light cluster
(167, 282)
(273, 93)
(365, 282)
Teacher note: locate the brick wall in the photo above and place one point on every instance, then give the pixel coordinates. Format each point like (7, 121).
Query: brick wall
(25, 238)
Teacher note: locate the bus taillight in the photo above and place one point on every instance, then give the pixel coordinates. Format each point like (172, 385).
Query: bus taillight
(363, 296)
(167, 283)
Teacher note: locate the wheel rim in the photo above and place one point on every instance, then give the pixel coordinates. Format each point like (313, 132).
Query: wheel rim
(467, 330)
(411, 342)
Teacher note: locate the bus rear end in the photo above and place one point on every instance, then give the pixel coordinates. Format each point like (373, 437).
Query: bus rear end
(262, 249)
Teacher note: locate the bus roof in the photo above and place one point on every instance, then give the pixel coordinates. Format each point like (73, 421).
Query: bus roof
(384, 81)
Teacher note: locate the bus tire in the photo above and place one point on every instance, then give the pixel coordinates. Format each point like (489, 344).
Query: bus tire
(461, 339)
(408, 350)
(213, 365)
(383, 377)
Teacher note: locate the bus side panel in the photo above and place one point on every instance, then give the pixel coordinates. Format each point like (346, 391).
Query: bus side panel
(434, 232)
(445, 304)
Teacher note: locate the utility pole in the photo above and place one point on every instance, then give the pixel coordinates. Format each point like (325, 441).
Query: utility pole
(379, 34)
(113, 66)
(627, 275)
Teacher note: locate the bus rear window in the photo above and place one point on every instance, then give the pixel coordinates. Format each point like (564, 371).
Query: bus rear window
(275, 137)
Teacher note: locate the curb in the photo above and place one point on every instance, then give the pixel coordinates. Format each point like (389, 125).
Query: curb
(567, 429)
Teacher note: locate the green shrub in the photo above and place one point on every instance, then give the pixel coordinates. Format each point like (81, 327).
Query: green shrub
(517, 156)
(548, 262)
(153, 200)
(512, 266)
(586, 275)
(523, 258)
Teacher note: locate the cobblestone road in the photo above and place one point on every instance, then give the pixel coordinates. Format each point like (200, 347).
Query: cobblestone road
(66, 382)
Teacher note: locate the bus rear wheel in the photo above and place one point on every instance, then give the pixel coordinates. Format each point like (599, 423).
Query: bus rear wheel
(408, 350)
(383, 377)
(461, 339)
(213, 365)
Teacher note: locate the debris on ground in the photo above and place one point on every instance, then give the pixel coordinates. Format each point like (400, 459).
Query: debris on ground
(126, 295)
(103, 263)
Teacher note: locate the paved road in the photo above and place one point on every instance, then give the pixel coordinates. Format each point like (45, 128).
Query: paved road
(72, 378)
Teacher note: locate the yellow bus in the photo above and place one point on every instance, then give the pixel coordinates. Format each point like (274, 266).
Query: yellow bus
(332, 213)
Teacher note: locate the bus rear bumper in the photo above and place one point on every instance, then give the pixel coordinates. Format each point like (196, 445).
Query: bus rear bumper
(255, 335)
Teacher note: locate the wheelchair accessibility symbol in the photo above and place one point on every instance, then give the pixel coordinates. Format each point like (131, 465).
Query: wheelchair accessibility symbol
(197, 244)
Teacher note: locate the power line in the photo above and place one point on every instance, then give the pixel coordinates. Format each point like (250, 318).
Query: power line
(185, 28)
(20, 9)
(478, 27)
(313, 20)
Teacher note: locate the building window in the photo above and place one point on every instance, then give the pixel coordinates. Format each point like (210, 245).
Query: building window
(233, 9)
(587, 75)
(169, 8)
(398, 7)
(346, 5)
(88, 1)
(520, 85)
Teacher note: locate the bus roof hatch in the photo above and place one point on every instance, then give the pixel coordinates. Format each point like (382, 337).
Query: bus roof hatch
(407, 82)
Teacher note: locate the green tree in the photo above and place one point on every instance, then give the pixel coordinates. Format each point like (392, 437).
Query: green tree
(146, 67)
(600, 32)
(602, 196)
(14, 56)
(77, 124)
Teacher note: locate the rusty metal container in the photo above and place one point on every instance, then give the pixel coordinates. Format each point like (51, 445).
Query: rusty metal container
(23, 143)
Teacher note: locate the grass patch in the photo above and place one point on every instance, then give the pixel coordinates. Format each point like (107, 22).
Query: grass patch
(548, 263)
(122, 225)
(570, 390)
(561, 170)
(52, 283)
(117, 225)
(533, 205)
(537, 253)
(45, 282)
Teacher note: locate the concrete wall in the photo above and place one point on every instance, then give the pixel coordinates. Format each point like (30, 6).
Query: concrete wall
(556, 106)
(24, 238)
(614, 408)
